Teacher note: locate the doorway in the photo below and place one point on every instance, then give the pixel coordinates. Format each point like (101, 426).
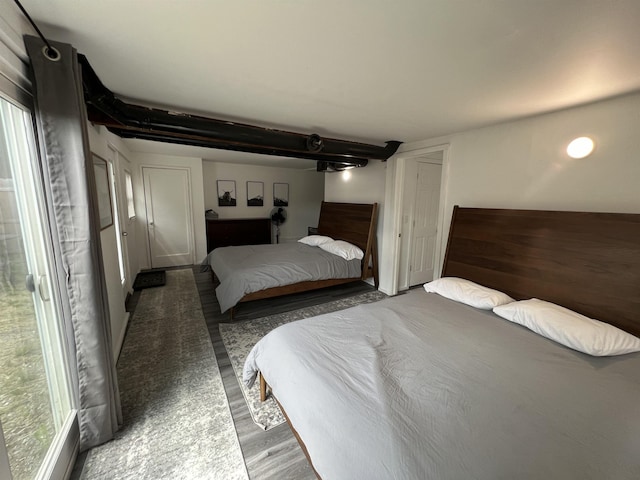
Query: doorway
(419, 215)
(419, 222)
(167, 192)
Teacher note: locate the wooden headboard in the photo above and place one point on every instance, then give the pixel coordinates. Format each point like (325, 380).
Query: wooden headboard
(587, 262)
(354, 223)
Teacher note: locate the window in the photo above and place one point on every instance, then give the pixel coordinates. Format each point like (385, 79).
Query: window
(36, 411)
(131, 207)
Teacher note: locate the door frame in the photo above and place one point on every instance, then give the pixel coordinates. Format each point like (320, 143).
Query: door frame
(405, 283)
(396, 199)
(192, 233)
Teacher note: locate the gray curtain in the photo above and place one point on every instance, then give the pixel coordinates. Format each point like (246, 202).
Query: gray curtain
(70, 191)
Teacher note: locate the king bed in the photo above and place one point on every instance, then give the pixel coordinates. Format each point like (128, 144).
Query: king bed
(253, 272)
(437, 385)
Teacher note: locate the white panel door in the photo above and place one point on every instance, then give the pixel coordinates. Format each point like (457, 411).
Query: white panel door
(115, 160)
(425, 223)
(167, 194)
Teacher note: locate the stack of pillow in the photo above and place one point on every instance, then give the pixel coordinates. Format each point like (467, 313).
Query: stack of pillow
(343, 249)
(552, 321)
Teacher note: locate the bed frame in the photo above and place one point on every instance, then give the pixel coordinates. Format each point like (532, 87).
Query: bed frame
(355, 223)
(587, 262)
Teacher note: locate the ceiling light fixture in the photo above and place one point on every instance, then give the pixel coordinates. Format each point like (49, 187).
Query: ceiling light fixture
(580, 147)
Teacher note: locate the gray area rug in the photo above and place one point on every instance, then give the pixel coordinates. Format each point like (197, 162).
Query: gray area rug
(177, 422)
(240, 337)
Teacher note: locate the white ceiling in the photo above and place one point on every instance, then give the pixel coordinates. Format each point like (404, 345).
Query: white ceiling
(363, 70)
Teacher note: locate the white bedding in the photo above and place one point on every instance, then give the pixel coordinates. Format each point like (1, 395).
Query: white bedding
(419, 387)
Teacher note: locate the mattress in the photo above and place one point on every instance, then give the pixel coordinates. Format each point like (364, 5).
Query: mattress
(251, 268)
(418, 386)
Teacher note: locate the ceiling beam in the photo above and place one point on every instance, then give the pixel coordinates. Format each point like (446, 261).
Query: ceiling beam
(134, 121)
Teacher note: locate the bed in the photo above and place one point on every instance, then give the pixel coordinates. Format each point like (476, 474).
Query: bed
(420, 386)
(253, 272)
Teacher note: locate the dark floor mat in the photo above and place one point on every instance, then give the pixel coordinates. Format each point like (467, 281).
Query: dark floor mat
(156, 278)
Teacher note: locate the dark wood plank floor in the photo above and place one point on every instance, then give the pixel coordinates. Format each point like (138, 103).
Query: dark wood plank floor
(274, 454)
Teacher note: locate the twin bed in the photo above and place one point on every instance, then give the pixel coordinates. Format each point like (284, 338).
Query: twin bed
(421, 386)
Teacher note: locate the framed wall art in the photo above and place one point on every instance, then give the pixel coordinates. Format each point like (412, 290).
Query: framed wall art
(280, 194)
(226, 193)
(101, 172)
(255, 194)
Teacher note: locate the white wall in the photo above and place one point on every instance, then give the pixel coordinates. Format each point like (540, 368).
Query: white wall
(306, 192)
(363, 185)
(197, 200)
(523, 164)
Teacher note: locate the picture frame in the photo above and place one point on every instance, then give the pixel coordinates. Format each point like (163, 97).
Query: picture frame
(101, 173)
(280, 194)
(227, 193)
(255, 194)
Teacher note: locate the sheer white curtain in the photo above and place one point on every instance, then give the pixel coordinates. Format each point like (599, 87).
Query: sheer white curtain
(67, 170)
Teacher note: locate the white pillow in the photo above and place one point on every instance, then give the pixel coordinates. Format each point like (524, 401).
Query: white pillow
(570, 328)
(315, 240)
(346, 250)
(468, 292)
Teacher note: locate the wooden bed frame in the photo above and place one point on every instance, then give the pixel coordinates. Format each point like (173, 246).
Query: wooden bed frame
(355, 223)
(587, 262)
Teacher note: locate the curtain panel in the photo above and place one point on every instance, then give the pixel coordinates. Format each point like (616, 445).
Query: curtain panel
(71, 196)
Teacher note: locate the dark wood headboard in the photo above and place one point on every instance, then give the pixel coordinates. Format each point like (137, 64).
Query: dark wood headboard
(587, 262)
(354, 223)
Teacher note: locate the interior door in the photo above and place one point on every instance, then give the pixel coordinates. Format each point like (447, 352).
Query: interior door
(167, 194)
(425, 223)
(418, 229)
(118, 193)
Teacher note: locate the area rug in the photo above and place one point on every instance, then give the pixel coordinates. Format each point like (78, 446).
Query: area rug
(177, 421)
(240, 337)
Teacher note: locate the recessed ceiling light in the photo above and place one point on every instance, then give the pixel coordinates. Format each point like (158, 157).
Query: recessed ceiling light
(580, 147)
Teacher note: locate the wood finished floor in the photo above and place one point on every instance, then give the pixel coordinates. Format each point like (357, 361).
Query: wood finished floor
(272, 454)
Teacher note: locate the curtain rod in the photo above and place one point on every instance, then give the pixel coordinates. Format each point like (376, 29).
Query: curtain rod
(50, 52)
